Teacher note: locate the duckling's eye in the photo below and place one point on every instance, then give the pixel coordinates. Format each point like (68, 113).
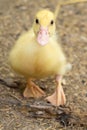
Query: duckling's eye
(52, 22)
(37, 21)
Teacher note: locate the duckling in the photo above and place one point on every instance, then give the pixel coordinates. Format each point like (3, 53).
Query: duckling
(37, 54)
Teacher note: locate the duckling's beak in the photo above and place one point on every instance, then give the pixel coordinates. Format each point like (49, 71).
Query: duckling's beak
(43, 36)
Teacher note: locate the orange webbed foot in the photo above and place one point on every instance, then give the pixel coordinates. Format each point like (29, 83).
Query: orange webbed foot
(32, 90)
(58, 97)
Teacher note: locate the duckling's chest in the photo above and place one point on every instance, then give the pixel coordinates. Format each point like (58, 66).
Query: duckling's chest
(38, 61)
(45, 60)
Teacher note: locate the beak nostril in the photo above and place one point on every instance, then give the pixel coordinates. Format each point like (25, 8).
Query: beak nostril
(43, 36)
(43, 30)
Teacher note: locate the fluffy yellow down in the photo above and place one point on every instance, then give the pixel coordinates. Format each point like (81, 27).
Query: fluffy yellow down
(32, 60)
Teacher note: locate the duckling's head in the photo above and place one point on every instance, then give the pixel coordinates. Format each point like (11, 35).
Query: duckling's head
(44, 26)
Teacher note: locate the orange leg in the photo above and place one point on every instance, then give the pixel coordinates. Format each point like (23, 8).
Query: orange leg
(58, 97)
(33, 90)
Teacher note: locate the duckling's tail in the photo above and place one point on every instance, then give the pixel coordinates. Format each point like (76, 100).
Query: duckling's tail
(68, 66)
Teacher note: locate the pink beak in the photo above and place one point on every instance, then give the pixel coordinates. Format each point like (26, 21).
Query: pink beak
(43, 36)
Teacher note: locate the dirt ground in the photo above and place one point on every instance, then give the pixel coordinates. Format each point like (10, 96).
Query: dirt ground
(16, 17)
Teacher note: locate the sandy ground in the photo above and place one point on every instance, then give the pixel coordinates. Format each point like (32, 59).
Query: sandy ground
(16, 17)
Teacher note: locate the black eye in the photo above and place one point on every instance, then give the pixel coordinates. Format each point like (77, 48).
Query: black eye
(52, 22)
(37, 21)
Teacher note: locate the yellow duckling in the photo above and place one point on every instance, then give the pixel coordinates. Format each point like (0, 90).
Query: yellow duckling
(37, 54)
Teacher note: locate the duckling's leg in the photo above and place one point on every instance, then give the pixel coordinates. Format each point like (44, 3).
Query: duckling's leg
(58, 97)
(33, 90)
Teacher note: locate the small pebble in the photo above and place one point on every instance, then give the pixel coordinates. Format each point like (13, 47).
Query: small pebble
(83, 81)
(77, 87)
